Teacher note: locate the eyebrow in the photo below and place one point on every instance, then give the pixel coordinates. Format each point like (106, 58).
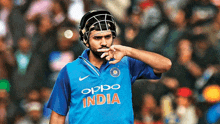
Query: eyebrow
(101, 32)
(107, 35)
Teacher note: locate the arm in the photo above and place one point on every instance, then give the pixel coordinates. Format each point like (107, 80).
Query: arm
(7, 55)
(57, 118)
(159, 63)
(193, 68)
(60, 98)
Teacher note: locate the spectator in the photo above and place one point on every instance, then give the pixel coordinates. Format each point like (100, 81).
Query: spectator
(168, 101)
(44, 38)
(141, 87)
(151, 13)
(28, 72)
(185, 106)
(34, 114)
(156, 37)
(31, 95)
(204, 54)
(131, 32)
(7, 107)
(185, 111)
(59, 14)
(177, 29)
(150, 112)
(202, 12)
(118, 8)
(61, 54)
(184, 69)
(37, 7)
(206, 57)
(7, 60)
(14, 16)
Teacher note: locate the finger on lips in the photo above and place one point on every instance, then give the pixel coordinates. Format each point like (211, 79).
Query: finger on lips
(103, 50)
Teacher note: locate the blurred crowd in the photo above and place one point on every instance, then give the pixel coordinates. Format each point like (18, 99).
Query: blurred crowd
(39, 37)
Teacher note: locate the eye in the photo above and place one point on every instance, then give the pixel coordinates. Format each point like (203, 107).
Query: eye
(97, 37)
(108, 36)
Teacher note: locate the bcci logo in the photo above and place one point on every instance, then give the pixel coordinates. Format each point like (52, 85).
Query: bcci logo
(115, 72)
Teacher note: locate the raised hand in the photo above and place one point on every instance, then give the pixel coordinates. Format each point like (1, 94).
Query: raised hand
(115, 51)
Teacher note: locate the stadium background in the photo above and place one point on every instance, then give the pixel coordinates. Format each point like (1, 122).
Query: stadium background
(39, 37)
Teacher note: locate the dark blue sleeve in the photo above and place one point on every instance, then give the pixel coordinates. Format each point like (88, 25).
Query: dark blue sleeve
(139, 69)
(60, 97)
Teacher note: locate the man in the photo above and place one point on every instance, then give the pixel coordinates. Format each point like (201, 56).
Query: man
(96, 87)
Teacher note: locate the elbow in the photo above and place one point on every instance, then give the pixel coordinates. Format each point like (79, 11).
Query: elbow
(168, 65)
(165, 66)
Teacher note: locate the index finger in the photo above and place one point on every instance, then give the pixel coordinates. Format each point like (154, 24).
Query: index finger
(112, 48)
(103, 50)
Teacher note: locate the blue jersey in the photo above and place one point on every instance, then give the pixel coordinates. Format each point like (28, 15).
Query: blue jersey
(100, 96)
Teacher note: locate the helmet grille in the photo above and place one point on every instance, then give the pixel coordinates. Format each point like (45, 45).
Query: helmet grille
(100, 21)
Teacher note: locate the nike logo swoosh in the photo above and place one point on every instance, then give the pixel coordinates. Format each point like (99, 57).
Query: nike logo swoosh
(80, 79)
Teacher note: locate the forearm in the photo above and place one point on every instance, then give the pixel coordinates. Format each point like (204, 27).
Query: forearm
(9, 57)
(57, 118)
(193, 68)
(158, 62)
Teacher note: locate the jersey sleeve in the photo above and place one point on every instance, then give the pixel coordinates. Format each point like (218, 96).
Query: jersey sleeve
(139, 69)
(60, 97)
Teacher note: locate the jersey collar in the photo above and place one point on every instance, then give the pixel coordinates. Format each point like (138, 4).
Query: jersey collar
(85, 55)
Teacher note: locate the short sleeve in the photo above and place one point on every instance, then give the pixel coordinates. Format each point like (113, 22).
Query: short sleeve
(139, 69)
(60, 97)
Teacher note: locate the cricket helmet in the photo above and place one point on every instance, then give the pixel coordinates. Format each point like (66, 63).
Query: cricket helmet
(96, 20)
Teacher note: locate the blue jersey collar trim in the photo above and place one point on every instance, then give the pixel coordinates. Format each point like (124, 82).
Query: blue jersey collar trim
(85, 54)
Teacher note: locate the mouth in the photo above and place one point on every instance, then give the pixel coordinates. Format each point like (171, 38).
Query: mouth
(104, 48)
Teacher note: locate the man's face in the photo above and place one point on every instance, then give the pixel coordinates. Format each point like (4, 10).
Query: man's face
(182, 101)
(24, 45)
(99, 40)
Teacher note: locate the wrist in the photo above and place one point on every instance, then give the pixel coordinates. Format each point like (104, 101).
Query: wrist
(128, 51)
(188, 64)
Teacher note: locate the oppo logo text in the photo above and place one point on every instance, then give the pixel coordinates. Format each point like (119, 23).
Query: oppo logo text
(100, 88)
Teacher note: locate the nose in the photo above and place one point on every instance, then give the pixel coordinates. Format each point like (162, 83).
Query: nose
(103, 42)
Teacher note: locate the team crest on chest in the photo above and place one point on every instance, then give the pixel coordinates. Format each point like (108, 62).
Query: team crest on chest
(115, 72)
